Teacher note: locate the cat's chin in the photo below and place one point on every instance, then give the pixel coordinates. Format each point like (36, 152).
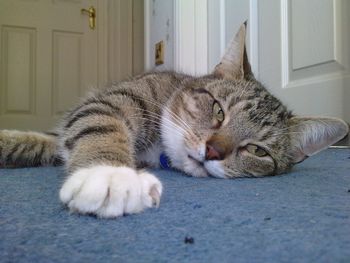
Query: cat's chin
(215, 170)
(194, 167)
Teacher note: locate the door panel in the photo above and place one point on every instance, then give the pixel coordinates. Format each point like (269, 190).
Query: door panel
(312, 38)
(67, 69)
(19, 61)
(49, 57)
(303, 54)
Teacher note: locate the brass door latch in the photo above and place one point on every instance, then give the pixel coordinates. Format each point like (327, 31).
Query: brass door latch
(92, 16)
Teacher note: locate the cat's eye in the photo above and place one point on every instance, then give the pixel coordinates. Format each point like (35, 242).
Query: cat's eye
(218, 112)
(256, 150)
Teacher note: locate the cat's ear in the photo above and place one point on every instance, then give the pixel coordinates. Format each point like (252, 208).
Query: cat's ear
(235, 65)
(309, 135)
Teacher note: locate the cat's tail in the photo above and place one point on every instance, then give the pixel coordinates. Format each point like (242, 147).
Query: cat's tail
(26, 149)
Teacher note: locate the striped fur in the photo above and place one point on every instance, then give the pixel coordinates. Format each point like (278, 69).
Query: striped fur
(23, 149)
(113, 132)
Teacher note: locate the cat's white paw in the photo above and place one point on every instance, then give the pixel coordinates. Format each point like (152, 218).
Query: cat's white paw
(109, 191)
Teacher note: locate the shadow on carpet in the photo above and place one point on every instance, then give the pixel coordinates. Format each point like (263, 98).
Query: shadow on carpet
(303, 216)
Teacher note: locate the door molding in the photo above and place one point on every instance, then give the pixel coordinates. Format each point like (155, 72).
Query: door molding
(147, 35)
(191, 36)
(103, 32)
(253, 32)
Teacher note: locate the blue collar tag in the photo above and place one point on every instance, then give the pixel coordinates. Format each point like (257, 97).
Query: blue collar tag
(164, 161)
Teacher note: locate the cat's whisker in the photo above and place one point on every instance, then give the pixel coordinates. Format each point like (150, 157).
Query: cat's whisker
(150, 114)
(143, 145)
(174, 115)
(181, 123)
(156, 122)
(177, 117)
(172, 127)
(164, 107)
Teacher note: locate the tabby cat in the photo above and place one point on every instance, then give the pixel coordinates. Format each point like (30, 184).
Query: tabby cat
(224, 125)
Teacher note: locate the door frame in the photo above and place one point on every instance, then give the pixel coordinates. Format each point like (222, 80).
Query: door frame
(102, 34)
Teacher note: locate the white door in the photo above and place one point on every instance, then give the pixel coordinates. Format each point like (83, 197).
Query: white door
(304, 54)
(49, 57)
(299, 49)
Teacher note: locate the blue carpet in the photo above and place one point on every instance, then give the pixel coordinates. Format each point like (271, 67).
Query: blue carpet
(303, 216)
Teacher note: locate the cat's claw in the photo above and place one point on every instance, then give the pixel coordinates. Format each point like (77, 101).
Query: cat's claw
(151, 187)
(108, 191)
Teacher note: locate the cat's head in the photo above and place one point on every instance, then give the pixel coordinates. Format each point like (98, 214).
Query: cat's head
(228, 125)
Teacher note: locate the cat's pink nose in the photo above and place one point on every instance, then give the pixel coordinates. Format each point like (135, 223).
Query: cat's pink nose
(212, 153)
(217, 148)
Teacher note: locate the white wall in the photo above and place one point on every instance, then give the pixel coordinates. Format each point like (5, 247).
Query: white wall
(159, 25)
(191, 36)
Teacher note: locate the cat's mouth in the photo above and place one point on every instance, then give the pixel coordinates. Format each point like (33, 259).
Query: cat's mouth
(200, 163)
(202, 168)
(197, 167)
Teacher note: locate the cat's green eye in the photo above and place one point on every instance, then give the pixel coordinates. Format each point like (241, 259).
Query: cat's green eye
(218, 112)
(256, 150)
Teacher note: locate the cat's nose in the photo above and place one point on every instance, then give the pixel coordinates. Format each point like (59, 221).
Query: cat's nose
(218, 147)
(214, 151)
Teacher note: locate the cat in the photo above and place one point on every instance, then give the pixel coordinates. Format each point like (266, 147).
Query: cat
(225, 125)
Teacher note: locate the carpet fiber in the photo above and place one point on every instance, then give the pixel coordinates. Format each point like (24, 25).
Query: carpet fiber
(303, 216)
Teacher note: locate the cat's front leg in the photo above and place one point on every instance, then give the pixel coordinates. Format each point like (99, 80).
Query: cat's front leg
(99, 151)
(109, 191)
